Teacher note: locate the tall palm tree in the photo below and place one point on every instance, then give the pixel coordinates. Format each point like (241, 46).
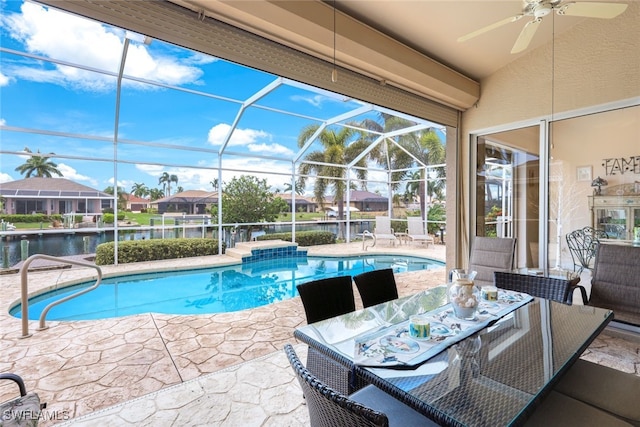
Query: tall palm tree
(172, 178)
(424, 146)
(163, 180)
(214, 184)
(166, 179)
(339, 148)
(39, 166)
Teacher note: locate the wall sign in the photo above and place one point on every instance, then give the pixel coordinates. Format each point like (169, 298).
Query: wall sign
(621, 165)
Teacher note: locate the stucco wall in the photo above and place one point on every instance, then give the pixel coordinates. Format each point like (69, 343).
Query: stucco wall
(594, 63)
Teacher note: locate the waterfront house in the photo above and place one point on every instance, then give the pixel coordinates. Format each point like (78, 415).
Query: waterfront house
(187, 202)
(52, 196)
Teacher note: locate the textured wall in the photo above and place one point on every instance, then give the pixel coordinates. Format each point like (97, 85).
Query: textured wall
(596, 62)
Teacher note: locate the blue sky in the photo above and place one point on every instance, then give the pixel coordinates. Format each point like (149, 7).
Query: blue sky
(57, 100)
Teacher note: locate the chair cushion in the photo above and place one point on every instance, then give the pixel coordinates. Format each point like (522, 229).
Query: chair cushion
(609, 389)
(22, 411)
(398, 413)
(558, 409)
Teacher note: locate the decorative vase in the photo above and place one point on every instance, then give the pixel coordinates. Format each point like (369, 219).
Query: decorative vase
(464, 295)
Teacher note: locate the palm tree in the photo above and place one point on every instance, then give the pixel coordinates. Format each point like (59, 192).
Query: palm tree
(163, 180)
(299, 188)
(156, 193)
(425, 146)
(339, 149)
(39, 166)
(166, 179)
(214, 184)
(172, 178)
(139, 190)
(122, 201)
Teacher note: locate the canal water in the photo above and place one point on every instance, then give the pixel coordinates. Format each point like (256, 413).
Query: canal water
(85, 242)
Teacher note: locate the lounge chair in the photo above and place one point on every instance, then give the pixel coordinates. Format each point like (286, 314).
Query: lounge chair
(383, 230)
(415, 231)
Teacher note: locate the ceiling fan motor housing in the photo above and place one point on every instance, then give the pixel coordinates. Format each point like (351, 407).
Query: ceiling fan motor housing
(539, 8)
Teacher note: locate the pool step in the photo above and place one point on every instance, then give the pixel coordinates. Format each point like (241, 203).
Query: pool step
(265, 249)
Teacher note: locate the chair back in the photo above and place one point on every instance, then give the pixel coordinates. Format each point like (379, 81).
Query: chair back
(582, 246)
(490, 254)
(325, 298)
(383, 225)
(615, 283)
(327, 407)
(551, 288)
(376, 286)
(415, 226)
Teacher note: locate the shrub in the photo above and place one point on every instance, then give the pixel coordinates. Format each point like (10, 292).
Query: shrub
(304, 238)
(153, 250)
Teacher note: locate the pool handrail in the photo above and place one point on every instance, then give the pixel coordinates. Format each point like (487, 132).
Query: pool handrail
(24, 291)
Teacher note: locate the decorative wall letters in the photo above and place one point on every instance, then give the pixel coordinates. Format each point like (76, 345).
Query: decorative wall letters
(622, 165)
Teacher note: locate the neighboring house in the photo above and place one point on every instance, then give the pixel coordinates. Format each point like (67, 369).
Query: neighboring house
(365, 201)
(188, 202)
(303, 204)
(136, 204)
(52, 196)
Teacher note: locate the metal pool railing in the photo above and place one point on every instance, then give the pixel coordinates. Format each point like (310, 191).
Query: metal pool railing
(24, 289)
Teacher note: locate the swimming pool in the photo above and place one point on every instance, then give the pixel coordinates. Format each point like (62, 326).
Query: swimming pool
(211, 290)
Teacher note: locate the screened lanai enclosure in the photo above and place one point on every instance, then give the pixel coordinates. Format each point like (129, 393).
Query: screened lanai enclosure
(175, 130)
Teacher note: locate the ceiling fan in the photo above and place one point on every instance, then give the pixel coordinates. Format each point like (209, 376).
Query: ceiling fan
(538, 9)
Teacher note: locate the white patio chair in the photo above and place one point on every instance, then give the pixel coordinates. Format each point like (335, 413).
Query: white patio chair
(415, 231)
(383, 230)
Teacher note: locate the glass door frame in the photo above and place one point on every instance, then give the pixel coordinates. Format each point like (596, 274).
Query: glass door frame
(543, 188)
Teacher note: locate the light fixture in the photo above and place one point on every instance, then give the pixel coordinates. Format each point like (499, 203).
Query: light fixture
(334, 72)
(598, 183)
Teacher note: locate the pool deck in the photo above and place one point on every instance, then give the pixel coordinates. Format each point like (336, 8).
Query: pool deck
(216, 369)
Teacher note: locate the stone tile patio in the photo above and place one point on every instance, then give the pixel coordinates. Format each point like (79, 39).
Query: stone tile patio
(162, 367)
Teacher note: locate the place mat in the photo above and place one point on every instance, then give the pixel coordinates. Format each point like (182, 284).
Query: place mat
(393, 346)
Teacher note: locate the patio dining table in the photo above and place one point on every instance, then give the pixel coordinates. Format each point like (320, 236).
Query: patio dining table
(493, 370)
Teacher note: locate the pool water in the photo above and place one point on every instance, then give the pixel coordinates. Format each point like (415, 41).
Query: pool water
(211, 290)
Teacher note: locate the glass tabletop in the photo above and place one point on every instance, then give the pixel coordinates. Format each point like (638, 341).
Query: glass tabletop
(493, 377)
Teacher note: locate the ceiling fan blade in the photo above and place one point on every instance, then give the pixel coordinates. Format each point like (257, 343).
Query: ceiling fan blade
(489, 28)
(526, 35)
(592, 10)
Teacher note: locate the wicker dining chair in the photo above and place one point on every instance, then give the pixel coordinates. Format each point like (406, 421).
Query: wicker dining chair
(551, 288)
(615, 283)
(489, 254)
(376, 286)
(325, 298)
(330, 408)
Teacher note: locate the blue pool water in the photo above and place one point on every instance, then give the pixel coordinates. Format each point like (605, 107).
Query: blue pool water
(211, 290)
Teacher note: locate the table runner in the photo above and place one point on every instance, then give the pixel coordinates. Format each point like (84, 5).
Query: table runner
(393, 346)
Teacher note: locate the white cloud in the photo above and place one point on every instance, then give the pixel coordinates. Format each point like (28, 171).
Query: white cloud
(60, 35)
(5, 177)
(3, 122)
(4, 80)
(270, 148)
(70, 173)
(218, 133)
